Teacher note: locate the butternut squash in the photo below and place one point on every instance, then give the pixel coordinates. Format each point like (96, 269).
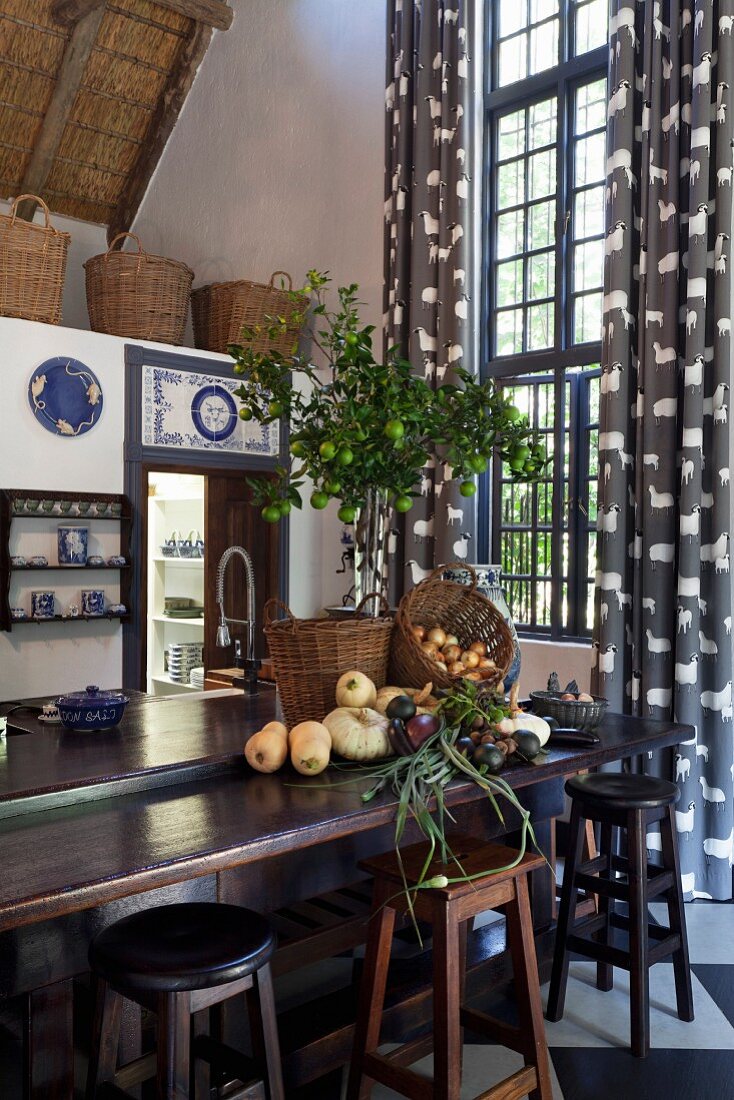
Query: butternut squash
(309, 754)
(266, 751)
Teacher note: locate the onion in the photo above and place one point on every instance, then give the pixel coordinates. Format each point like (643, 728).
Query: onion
(437, 636)
(451, 639)
(457, 669)
(452, 652)
(418, 632)
(479, 647)
(430, 648)
(470, 658)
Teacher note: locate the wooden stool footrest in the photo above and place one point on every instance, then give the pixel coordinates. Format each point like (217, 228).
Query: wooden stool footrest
(514, 1087)
(411, 1052)
(599, 951)
(397, 1077)
(504, 1033)
(225, 1059)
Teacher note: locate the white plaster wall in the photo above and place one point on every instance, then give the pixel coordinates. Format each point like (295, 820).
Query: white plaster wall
(40, 659)
(86, 240)
(570, 660)
(277, 163)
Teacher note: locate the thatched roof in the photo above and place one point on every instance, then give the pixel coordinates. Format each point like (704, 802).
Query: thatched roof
(89, 93)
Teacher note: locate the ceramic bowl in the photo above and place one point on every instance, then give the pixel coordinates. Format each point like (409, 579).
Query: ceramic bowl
(38, 561)
(17, 561)
(18, 613)
(116, 559)
(95, 559)
(91, 709)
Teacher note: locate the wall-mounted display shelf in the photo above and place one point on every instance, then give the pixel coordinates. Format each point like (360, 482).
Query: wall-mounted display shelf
(48, 510)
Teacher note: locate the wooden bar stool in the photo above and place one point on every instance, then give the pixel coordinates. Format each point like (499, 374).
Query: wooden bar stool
(631, 803)
(448, 909)
(179, 960)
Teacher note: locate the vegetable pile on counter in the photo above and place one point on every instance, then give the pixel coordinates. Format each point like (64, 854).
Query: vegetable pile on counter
(413, 744)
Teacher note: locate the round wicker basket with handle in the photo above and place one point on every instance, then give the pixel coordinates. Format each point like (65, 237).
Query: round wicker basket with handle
(137, 294)
(309, 656)
(32, 266)
(458, 609)
(220, 312)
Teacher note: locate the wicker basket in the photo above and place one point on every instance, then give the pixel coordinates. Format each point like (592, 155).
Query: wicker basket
(221, 310)
(137, 294)
(309, 656)
(458, 609)
(569, 713)
(32, 266)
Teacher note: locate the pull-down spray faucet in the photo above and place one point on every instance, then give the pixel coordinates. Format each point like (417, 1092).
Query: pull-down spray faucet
(250, 663)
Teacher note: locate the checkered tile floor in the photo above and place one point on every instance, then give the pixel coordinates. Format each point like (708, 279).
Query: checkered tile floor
(589, 1055)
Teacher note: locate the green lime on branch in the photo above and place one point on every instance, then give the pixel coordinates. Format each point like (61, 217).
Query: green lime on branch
(345, 456)
(245, 413)
(394, 429)
(327, 450)
(403, 503)
(319, 500)
(346, 513)
(467, 488)
(271, 513)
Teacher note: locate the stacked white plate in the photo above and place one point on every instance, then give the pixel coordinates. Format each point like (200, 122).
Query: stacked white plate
(196, 678)
(182, 657)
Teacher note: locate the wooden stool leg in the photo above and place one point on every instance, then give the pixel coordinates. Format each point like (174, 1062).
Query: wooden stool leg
(559, 973)
(105, 1037)
(200, 1070)
(372, 991)
(638, 921)
(677, 917)
(527, 988)
(465, 928)
(605, 971)
(48, 1053)
(174, 1046)
(264, 1027)
(446, 1003)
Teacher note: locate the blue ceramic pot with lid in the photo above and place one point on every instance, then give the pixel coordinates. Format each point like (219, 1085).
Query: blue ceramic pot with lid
(91, 709)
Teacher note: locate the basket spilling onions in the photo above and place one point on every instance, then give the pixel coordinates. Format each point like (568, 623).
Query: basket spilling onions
(471, 663)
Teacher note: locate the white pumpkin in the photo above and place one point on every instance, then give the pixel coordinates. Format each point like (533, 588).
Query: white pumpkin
(358, 733)
(522, 721)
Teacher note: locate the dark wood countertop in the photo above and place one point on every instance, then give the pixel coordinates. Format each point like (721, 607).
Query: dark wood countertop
(160, 740)
(65, 858)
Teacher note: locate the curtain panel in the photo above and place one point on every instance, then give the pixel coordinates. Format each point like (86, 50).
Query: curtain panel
(663, 641)
(429, 303)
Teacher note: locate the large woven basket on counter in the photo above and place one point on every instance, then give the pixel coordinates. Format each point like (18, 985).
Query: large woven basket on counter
(458, 609)
(32, 266)
(137, 294)
(309, 656)
(220, 311)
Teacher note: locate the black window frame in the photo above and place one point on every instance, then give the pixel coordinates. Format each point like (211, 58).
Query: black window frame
(561, 80)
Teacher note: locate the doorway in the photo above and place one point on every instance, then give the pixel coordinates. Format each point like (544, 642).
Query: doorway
(189, 518)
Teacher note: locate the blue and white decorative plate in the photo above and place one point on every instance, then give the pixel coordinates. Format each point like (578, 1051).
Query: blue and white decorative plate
(214, 413)
(65, 396)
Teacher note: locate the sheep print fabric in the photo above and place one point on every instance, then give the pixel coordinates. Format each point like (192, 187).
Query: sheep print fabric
(428, 308)
(663, 645)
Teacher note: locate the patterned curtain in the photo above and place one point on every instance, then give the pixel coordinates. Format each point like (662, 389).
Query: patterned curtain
(663, 610)
(428, 232)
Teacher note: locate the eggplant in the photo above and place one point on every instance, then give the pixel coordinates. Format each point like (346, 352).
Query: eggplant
(398, 738)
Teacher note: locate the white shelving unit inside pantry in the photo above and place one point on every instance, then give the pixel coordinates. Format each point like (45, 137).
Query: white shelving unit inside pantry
(175, 582)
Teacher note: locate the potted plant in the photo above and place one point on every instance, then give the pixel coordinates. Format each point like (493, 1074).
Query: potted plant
(363, 428)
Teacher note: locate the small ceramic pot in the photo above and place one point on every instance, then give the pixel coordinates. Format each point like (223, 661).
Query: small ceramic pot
(83, 507)
(38, 561)
(32, 505)
(102, 508)
(116, 508)
(18, 613)
(91, 709)
(116, 559)
(72, 545)
(65, 506)
(19, 506)
(92, 601)
(43, 604)
(95, 559)
(47, 506)
(17, 561)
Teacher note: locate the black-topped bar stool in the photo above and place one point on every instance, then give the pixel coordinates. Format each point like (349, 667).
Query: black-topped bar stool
(448, 909)
(630, 803)
(179, 960)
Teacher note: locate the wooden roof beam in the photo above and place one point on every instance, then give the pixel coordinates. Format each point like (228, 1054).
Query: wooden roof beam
(71, 71)
(212, 13)
(161, 126)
